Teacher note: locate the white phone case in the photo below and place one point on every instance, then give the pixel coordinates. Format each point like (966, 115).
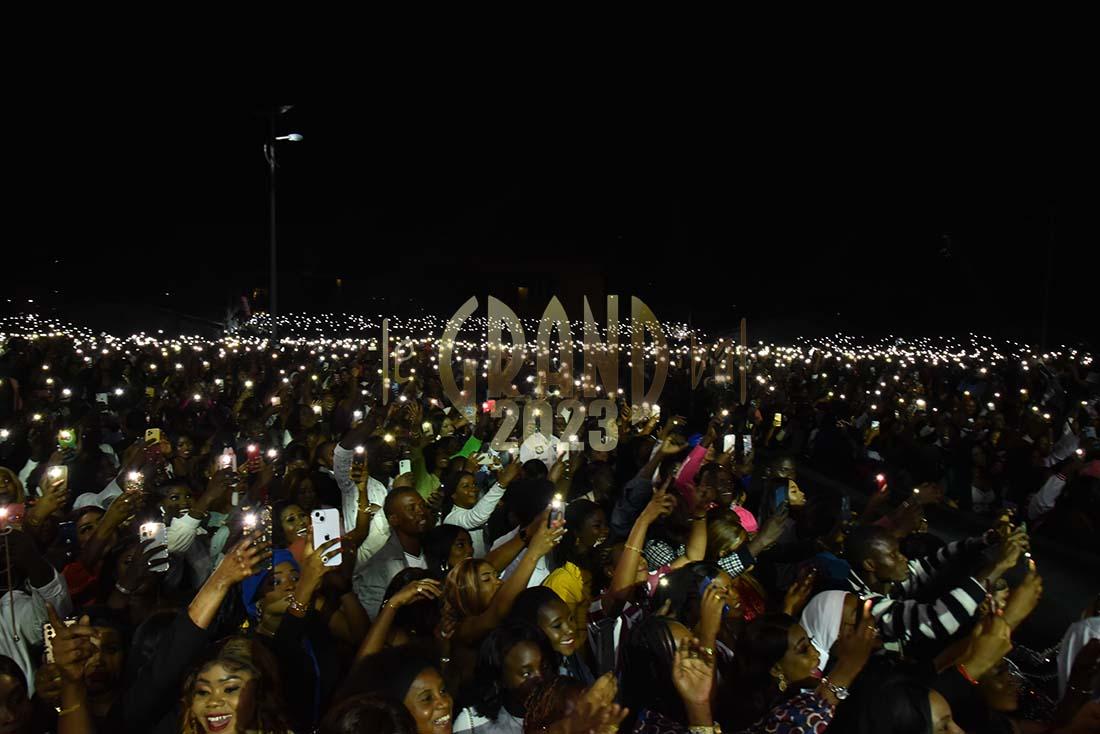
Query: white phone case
(158, 531)
(48, 633)
(326, 526)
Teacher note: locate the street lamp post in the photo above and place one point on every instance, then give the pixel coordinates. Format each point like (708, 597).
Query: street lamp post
(269, 153)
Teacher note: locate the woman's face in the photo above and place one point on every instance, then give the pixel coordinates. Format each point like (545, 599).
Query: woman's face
(429, 703)
(487, 584)
(942, 723)
(1000, 689)
(185, 447)
(593, 530)
(295, 523)
(556, 622)
(86, 525)
(795, 495)
(128, 556)
(277, 590)
(15, 707)
(801, 658)
(103, 671)
(223, 700)
(521, 672)
(9, 488)
(461, 549)
(465, 494)
(177, 502)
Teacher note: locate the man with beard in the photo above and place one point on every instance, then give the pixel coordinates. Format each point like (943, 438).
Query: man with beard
(409, 519)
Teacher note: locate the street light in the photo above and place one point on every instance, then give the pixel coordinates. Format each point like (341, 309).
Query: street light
(269, 154)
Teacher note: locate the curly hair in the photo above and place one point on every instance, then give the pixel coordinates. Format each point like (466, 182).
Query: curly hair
(549, 702)
(267, 716)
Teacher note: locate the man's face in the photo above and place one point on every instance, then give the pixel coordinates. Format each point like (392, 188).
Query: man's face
(410, 514)
(890, 564)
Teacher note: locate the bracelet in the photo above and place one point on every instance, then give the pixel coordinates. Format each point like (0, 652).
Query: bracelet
(962, 671)
(714, 728)
(840, 692)
(62, 712)
(632, 548)
(297, 608)
(122, 590)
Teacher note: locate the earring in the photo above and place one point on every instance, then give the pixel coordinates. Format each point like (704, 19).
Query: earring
(782, 682)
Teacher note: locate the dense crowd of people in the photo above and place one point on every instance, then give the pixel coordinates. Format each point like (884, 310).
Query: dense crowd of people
(249, 539)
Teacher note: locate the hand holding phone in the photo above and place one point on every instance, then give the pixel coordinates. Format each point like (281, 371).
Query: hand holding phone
(326, 526)
(158, 533)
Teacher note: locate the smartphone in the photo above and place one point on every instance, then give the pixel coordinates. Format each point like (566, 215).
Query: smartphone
(158, 532)
(135, 481)
(102, 398)
(557, 511)
(58, 472)
(48, 633)
(782, 495)
(276, 401)
(359, 458)
(404, 466)
(152, 435)
(746, 442)
(150, 392)
(66, 439)
(874, 425)
(253, 462)
(326, 526)
(729, 443)
(12, 514)
(777, 419)
(228, 460)
(707, 581)
(845, 508)
(426, 429)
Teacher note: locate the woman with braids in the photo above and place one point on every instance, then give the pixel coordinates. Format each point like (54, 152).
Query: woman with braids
(512, 661)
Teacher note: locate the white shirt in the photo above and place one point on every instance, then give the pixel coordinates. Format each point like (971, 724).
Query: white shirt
(376, 494)
(1077, 636)
(415, 561)
(475, 518)
(542, 566)
(30, 615)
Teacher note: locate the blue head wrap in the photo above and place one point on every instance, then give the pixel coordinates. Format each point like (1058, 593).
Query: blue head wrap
(250, 587)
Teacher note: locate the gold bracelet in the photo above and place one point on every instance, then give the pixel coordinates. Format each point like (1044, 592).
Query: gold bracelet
(69, 710)
(632, 548)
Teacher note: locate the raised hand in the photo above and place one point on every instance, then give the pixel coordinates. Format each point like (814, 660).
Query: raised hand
(544, 539)
(799, 593)
(509, 473)
(314, 568)
(693, 672)
(73, 647)
(854, 646)
(416, 591)
(142, 566)
(245, 559)
(661, 504)
(1024, 598)
(990, 641)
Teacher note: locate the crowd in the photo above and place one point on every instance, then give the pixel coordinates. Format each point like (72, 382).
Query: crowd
(250, 540)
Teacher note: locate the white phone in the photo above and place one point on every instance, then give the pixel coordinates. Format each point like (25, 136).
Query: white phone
(404, 466)
(326, 526)
(746, 441)
(48, 633)
(729, 441)
(158, 531)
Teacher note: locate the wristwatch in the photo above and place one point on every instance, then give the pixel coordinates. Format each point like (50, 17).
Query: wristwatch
(840, 692)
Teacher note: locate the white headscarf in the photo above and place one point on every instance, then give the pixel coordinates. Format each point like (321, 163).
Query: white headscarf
(821, 619)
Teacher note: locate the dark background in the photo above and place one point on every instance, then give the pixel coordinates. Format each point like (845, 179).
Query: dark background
(914, 218)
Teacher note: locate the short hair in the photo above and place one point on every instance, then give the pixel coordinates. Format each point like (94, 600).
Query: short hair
(392, 497)
(858, 545)
(527, 605)
(436, 545)
(528, 498)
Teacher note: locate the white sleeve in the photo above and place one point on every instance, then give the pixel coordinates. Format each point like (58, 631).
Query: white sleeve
(479, 514)
(181, 533)
(379, 525)
(56, 594)
(349, 494)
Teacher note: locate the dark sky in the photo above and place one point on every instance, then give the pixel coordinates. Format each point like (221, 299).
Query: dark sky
(911, 220)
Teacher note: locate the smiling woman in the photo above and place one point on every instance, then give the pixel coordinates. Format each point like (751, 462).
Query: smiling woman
(228, 694)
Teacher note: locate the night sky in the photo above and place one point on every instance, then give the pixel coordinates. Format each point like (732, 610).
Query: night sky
(909, 220)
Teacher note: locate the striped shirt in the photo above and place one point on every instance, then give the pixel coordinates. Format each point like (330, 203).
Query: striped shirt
(901, 619)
